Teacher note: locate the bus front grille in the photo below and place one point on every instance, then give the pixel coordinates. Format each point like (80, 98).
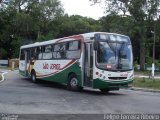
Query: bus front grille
(117, 78)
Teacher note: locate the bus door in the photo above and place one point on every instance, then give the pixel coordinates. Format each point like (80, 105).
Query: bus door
(27, 57)
(88, 64)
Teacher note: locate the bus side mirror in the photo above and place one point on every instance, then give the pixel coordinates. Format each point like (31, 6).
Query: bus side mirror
(95, 45)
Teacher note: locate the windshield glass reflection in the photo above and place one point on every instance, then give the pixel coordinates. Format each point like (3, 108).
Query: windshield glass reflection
(114, 56)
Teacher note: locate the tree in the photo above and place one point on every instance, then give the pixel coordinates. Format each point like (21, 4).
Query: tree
(24, 21)
(75, 24)
(142, 12)
(117, 24)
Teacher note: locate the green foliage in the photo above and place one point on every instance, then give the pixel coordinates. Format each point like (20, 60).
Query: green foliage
(136, 65)
(27, 21)
(41, 38)
(117, 24)
(23, 21)
(157, 63)
(15, 45)
(3, 53)
(142, 14)
(75, 24)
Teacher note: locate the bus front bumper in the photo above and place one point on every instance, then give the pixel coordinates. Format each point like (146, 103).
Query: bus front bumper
(112, 85)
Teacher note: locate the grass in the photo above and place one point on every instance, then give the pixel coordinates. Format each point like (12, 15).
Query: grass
(147, 83)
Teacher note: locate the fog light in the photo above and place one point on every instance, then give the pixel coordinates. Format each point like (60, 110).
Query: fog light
(130, 85)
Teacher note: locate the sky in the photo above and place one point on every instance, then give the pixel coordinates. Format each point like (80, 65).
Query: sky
(83, 8)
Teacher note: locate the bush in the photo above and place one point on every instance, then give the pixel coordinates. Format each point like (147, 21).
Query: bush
(3, 53)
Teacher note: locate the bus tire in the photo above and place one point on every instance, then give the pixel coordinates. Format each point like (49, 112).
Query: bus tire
(73, 83)
(105, 90)
(33, 76)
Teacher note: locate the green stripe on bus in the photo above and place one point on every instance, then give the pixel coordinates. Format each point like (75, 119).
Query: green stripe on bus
(62, 77)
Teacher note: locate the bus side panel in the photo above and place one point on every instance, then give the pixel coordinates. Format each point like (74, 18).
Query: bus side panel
(75, 69)
(57, 70)
(62, 77)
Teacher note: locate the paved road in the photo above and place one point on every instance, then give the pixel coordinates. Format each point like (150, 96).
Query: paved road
(21, 96)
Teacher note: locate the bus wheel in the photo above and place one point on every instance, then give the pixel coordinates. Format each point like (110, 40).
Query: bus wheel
(33, 76)
(106, 90)
(73, 83)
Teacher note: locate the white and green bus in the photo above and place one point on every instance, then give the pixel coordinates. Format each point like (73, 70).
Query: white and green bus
(97, 60)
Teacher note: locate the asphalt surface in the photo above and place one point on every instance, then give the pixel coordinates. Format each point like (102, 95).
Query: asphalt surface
(20, 96)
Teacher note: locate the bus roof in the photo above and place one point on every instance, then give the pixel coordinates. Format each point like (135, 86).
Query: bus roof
(85, 36)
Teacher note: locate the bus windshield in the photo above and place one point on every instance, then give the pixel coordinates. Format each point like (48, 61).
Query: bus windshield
(114, 55)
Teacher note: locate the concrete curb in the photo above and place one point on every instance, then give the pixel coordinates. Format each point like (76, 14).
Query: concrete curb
(3, 73)
(144, 89)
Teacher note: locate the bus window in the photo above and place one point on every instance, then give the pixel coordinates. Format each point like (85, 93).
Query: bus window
(39, 53)
(22, 55)
(73, 51)
(74, 45)
(33, 53)
(28, 55)
(59, 51)
(47, 52)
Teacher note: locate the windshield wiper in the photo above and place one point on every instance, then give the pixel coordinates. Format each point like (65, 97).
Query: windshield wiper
(119, 56)
(110, 44)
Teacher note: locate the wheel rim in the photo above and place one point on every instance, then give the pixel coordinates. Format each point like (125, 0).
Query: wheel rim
(73, 82)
